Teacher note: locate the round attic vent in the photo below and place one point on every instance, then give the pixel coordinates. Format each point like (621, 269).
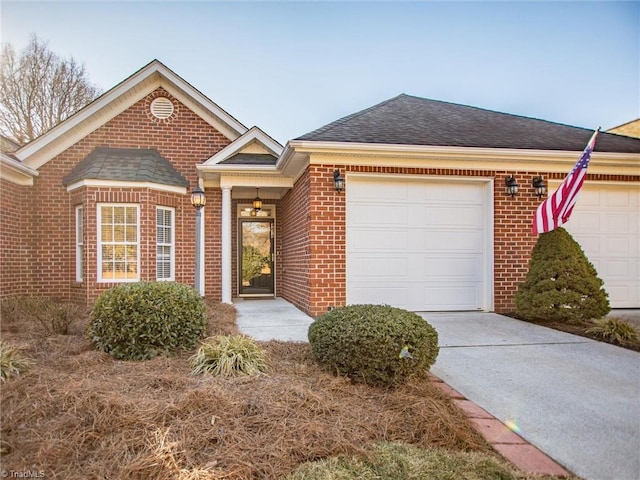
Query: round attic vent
(162, 108)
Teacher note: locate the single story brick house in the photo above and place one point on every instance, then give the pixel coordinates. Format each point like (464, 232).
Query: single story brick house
(420, 217)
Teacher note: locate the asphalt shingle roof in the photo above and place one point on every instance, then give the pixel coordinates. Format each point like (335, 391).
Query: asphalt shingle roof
(409, 120)
(251, 159)
(126, 164)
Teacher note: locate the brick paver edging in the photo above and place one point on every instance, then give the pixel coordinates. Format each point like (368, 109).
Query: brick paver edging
(509, 444)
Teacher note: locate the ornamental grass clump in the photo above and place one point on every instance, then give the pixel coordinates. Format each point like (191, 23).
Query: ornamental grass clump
(615, 330)
(12, 362)
(561, 284)
(374, 344)
(229, 356)
(138, 321)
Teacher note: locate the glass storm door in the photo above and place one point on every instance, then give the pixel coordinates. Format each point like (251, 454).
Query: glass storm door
(256, 257)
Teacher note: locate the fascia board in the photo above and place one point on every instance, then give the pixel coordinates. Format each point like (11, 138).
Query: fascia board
(241, 169)
(125, 184)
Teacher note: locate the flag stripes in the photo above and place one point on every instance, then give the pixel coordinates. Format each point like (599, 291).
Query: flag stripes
(556, 209)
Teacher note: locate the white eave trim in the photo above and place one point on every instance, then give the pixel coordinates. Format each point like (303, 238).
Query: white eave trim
(15, 172)
(253, 134)
(126, 184)
(496, 157)
(154, 75)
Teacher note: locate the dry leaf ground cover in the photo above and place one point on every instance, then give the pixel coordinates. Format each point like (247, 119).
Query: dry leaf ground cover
(78, 413)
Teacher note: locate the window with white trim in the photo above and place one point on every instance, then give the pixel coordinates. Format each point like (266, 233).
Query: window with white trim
(118, 244)
(79, 241)
(164, 243)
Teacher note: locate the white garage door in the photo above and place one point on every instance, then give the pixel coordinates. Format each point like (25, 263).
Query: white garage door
(422, 245)
(606, 224)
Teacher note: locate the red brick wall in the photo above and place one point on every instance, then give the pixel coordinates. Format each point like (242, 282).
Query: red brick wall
(513, 237)
(293, 247)
(16, 245)
(184, 140)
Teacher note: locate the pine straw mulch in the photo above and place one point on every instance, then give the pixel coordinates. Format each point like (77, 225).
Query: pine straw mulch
(77, 413)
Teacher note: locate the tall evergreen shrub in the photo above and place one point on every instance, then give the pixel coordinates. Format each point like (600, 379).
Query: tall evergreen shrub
(561, 285)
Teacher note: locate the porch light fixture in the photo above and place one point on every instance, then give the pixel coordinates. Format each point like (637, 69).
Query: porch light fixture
(198, 200)
(338, 181)
(257, 202)
(512, 185)
(538, 185)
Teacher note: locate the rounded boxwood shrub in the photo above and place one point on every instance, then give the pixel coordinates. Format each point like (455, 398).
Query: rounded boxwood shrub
(374, 344)
(136, 321)
(561, 284)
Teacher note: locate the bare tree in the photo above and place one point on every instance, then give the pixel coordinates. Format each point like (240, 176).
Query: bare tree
(39, 89)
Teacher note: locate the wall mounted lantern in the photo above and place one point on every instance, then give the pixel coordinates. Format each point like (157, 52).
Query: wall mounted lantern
(338, 181)
(257, 202)
(512, 185)
(539, 186)
(198, 200)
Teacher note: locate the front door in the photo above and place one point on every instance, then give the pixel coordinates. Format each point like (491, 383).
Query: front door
(256, 259)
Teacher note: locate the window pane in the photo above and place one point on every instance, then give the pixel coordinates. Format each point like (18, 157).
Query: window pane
(107, 215)
(132, 233)
(107, 253)
(118, 233)
(107, 270)
(107, 233)
(118, 215)
(132, 215)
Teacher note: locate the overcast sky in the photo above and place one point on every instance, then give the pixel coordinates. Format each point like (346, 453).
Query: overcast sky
(291, 67)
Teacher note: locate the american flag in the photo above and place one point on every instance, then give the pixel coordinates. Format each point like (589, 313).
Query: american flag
(556, 209)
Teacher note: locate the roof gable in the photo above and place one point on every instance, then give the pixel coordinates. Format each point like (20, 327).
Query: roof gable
(240, 152)
(117, 100)
(409, 120)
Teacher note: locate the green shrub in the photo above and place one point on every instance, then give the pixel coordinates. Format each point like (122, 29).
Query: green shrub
(561, 284)
(229, 356)
(614, 330)
(12, 362)
(374, 344)
(136, 321)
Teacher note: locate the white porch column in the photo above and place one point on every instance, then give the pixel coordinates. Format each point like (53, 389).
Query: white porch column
(226, 244)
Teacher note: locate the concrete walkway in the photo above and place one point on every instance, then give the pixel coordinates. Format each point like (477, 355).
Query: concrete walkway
(576, 399)
(271, 319)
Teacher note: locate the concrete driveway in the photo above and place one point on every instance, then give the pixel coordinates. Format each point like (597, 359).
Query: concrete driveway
(576, 399)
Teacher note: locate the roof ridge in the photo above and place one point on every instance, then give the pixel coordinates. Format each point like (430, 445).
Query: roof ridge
(349, 117)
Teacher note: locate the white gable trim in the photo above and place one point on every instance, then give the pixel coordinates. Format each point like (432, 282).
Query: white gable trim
(118, 99)
(253, 134)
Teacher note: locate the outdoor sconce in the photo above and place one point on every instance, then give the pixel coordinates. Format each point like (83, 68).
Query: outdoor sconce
(539, 186)
(257, 202)
(512, 185)
(198, 199)
(338, 181)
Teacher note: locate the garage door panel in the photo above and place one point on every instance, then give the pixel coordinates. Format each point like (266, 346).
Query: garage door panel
(366, 268)
(456, 269)
(390, 295)
(370, 214)
(418, 245)
(385, 239)
(449, 215)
